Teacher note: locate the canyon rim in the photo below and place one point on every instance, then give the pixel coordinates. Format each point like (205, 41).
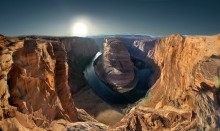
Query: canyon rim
(43, 84)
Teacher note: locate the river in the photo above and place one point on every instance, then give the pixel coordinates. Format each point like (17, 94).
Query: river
(111, 96)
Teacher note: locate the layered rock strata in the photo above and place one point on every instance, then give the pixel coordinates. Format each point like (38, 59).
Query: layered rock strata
(184, 96)
(36, 76)
(115, 66)
(188, 66)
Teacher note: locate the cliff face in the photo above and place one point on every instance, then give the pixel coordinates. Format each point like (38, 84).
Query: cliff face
(5, 66)
(37, 83)
(140, 48)
(35, 94)
(185, 82)
(183, 97)
(80, 52)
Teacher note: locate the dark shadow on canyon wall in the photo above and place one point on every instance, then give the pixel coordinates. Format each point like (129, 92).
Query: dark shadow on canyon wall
(80, 52)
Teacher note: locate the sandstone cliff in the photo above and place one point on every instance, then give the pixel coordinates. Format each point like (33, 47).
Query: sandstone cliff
(184, 83)
(35, 94)
(185, 86)
(37, 82)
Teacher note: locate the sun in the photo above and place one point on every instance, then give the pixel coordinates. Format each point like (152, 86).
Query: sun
(80, 29)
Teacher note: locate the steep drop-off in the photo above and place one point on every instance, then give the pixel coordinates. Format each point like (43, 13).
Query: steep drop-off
(80, 51)
(178, 100)
(184, 94)
(36, 76)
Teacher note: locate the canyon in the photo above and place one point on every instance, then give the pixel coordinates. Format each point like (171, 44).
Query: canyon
(45, 83)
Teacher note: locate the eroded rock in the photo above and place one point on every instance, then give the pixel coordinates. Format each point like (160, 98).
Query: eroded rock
(115, 66)
(38, 83)
(184, 97)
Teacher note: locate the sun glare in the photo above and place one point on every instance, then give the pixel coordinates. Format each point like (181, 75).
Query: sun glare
(80, 29)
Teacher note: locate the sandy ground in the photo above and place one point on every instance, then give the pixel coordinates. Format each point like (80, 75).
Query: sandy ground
(108, 114)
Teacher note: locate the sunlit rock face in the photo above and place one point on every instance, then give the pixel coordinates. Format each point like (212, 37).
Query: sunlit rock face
(5, 67)
(139, 47)
(118, 67)
(36, 77)
(188, 66)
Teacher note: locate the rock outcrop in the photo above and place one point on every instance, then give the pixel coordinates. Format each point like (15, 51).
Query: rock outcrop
(139, 48)
(145, 118)
(185, 82)
(38, 84)
(5, 67)
(118, 69)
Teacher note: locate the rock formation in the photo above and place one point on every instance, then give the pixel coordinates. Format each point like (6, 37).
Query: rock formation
(139, 48)
(38, 84)
(35, 92)
(185, 83)
(118, 70)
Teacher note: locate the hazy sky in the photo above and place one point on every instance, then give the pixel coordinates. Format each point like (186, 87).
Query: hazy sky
(153, 17)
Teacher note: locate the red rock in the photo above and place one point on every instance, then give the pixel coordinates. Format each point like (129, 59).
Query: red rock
(38, 82)
(182, 62)
(183, 97)
(118, 68)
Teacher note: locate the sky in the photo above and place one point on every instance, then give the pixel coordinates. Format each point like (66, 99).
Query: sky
(152, 17)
